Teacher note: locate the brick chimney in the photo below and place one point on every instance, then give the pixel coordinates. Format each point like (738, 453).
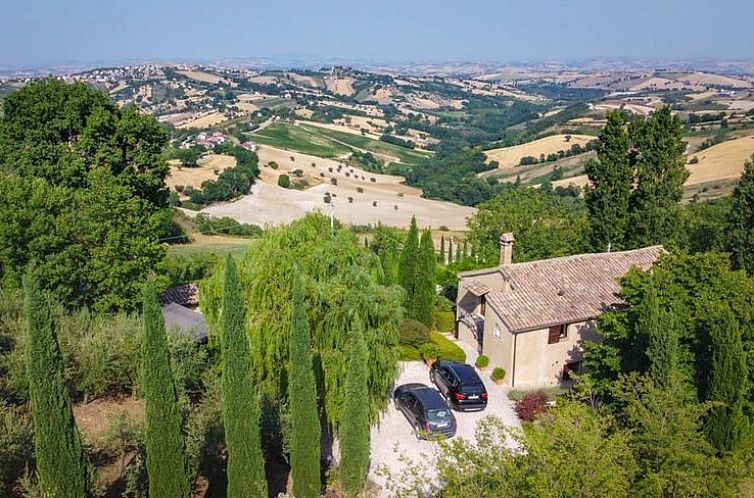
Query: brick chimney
(506, 248)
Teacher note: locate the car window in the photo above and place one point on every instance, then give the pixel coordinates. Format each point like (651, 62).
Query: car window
(472, 388)
(438, 415)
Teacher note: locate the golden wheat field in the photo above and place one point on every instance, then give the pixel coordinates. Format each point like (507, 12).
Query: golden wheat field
(509, 157)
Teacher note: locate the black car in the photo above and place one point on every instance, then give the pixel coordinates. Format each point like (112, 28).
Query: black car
(460, 385)
(426, 410)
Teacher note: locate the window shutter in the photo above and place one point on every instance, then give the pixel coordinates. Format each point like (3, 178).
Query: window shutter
(554, 336)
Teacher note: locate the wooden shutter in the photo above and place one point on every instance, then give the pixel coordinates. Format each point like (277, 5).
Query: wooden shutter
(554, 336)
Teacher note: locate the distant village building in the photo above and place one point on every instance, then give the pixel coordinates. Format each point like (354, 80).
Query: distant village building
(532, 318)
(209, 141)
(249, 146)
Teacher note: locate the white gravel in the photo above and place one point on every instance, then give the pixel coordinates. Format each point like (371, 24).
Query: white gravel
(393, 441)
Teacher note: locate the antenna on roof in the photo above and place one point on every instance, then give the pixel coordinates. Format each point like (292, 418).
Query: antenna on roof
(609, 246)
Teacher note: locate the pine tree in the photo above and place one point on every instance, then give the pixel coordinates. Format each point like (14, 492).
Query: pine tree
(741, 238)
(425, 288)
(61, 468)
(727, 424)
(660, 175)
(246, 477)
(408, 269)
(166, 451)
(302, 396)
(354, 422)
(442, 249)
(610, 184)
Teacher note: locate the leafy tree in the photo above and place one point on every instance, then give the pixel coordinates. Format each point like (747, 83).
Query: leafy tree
(727, 424)
(660, 175)
(425, 283)
(284, 181)
(611, 181)
(544, 225)
(61, 468)
(741, 234)
(166, 450)
(246, 476)
(347, 296)
(302, 395)
(408, 272)
(85, 180)
(354, 422)
(190, 155)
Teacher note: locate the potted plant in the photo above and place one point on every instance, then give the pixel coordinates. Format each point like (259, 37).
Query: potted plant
(498, 374)
(482, 362)
(429, 352)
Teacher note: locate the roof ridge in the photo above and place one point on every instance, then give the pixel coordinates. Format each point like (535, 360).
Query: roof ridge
(580, 255)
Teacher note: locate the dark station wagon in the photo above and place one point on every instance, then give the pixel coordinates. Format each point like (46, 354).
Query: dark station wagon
(426, 410)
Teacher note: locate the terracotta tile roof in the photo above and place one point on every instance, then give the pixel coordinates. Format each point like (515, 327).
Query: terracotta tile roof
(185, 295)
(476, 287)
(565, 290)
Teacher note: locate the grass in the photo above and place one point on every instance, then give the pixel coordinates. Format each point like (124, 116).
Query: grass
(323, 142)
(210, 244)
(449, 350)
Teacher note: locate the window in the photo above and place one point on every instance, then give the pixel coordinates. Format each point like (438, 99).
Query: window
(557, 333)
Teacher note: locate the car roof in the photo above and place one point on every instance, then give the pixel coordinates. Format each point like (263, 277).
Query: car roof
(465, 373)
(430, 398)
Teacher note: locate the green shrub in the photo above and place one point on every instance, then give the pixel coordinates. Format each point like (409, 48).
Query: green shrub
(498, 374)
(413, 333)
(482, 361)
(16, 446)
(429, 351)
(284, 181)
(273, 165)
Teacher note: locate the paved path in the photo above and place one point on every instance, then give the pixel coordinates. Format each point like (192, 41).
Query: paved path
(393, 441)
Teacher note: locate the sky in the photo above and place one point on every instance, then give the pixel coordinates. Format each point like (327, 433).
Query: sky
(44, 32)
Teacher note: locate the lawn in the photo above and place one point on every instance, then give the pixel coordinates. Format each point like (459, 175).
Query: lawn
(217, 244)
(448, 349)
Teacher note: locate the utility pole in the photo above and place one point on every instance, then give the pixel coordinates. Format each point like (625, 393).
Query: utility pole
(332, 212)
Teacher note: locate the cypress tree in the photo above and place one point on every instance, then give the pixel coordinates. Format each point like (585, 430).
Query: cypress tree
(408, 269)
(727, 424)
(663, 351)
(246, 477)
(302, 396)
(442, 249)
(610, 183)
(646, 325)
(741, 239)
(464, 254)
(61, 468)
(166, 451)
(354, 421)
(425, 289)
(450, 250)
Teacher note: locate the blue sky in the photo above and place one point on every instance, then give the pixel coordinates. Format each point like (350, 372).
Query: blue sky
(35, 32)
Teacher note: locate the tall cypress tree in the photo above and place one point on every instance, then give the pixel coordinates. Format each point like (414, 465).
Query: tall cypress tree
(450, 250)
(302, 396)
(166, 449)
(408, 269)
(741, 238)
(354, 421)
(663, 351)
(58, 450)
(727, 424)
(646, 325)
(442, 249)
(660, 175)
(425, 288)
(246, 477)
(610, 184)
(464, 254)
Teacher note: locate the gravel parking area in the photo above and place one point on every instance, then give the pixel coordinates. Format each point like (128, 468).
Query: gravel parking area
(393, 441)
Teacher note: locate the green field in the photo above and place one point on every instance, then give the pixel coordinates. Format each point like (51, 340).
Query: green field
(323, 142)
(215, 244)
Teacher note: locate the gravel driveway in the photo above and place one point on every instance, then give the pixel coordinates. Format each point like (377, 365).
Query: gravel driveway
(393, 441)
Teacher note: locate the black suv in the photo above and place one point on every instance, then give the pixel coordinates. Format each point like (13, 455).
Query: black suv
(426, 410)
(460, 385)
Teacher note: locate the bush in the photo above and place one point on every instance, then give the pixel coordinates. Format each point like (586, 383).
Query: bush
(482, 361)
(284, 181)
(498, 374)
(297, 172)
(429, 351)
(413, 333)
(272, 164)
(359, 190)
(531, 406)
(16, 446)
(334, 181)
(694, 160)
(443, 228)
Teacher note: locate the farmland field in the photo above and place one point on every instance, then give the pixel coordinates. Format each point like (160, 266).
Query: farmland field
(324, 142)
(509, 157)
